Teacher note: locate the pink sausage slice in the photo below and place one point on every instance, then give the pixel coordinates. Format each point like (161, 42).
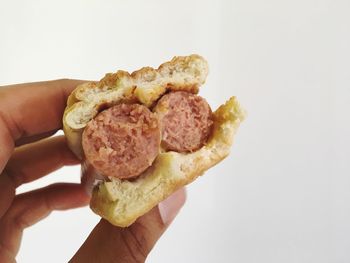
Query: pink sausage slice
(122, 141)
(186, 121)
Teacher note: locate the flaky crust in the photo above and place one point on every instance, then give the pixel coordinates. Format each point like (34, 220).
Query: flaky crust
(145, 86)
(121, 202)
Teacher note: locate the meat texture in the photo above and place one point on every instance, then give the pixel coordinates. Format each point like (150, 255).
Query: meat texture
(122, 141)
(186, 121)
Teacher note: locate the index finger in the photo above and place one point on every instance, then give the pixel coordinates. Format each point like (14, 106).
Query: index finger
(30, 109)
(34, 108)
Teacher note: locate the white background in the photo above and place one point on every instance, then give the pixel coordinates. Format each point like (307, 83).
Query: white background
(283, 194)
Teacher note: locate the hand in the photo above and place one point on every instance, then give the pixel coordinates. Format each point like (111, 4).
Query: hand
(108, 243)
(29, 113)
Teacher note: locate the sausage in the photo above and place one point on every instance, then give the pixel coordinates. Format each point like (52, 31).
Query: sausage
(186, 121)
(122, 141)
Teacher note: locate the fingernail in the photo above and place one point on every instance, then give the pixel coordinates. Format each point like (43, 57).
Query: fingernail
(171, 206)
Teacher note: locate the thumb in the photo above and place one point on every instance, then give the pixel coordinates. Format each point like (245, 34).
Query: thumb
(108, 243)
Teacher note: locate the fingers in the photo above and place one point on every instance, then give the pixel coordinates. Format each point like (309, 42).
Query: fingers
(30, 109)
(7, 192)
(30, 162)
(108, 243)
(6, 256)
(34, 138)
(34, 108)
(7, 145)
(33, 161)
(31, 207)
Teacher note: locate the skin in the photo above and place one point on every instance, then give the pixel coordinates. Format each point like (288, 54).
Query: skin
(29, 115)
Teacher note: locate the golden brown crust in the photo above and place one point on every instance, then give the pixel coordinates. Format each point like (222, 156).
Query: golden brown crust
(121, 202)
(144, 86)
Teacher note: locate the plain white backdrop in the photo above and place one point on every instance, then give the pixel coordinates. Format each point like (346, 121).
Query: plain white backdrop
(283, 194)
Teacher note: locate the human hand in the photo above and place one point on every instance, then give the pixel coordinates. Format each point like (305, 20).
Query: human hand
(29, 113)
(108, 243)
